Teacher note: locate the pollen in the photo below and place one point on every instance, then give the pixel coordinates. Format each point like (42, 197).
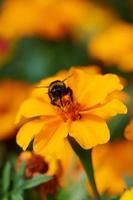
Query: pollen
(69, 109)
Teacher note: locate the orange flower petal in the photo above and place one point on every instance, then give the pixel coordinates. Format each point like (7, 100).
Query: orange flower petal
(129, 131)
(109, 109)
(78, 81)
(34, 107)
(90, 132)
(27, 132)
(52, 140)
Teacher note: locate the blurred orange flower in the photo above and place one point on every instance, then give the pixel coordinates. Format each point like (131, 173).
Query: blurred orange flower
(112, 162)
(115, 46)
(87, 108)
(47, 165)
(12, 94)
(51, 18)
(36, 164)
(129, 131)
(58, 168)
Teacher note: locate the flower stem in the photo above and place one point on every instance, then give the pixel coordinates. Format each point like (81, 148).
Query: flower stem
(86, 159)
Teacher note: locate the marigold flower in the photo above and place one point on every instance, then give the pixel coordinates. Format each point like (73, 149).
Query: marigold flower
(119, 51)
(51, 18)
(36, 164)
(113, 161)
(81, 112)
(11, 98)
(128, 195)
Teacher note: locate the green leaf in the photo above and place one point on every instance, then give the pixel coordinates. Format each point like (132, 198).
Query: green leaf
(117, 125)
(49, 197)
(106, 198)
(6, 177)
(110, 198)
(35, 181)
(18, 179)
(4, 198)
(16, 196)
(85, 157)
(129, 181)
(75, 191)
(20, 172)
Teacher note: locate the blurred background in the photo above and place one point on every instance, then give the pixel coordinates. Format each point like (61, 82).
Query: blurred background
(40, 37)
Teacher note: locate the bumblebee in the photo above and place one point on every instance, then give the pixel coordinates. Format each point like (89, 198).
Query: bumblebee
(57, 90)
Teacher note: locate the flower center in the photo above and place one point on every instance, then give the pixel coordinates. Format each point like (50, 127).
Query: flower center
(69, 109)
(36, 164)
(62, 97)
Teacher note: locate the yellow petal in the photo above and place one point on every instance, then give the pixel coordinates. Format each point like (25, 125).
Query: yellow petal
(99, 88)
(52, 140)
(27, 132)
(79, 80)
(92, 89)
(34, 107)
(129, 131)
(90, 132)
(109, 109)
(128, 195)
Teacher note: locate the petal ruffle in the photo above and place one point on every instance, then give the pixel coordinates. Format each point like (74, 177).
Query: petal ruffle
(52, 139)
(94, 88)
(79, 80)
(99, 89)
(109, 109)
(27, 132)
(90, 132)
(34, 107)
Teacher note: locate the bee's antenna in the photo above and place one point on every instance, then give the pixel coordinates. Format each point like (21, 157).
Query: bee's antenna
(41, 86)
(67, 78)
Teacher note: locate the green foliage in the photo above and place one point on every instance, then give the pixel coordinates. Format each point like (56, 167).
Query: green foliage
(117, 126)
(14, 184)
(36, 58)
(6, 177)
(16, 196)
(129, 181)
(75, 191)
(35, 181)
(110, 198)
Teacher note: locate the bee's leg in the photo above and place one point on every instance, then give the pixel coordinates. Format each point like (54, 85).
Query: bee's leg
(70, 92)
(53, 102)
(61, 102)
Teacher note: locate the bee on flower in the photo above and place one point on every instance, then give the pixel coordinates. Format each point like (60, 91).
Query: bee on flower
(77, 103)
